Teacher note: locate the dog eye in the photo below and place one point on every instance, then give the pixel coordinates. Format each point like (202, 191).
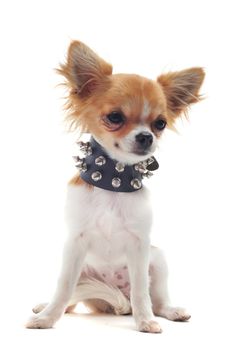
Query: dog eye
(116, 118)
(159, 124)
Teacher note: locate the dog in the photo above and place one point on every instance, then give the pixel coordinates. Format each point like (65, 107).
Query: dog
(108, 261)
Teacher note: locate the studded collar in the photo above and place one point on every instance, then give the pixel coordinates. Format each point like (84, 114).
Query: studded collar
(99, 170)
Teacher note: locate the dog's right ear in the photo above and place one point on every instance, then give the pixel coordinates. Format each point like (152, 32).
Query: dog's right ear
(84, 69)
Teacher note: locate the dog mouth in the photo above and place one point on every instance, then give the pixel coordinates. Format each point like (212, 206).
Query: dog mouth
(135, 151)
(141, 152)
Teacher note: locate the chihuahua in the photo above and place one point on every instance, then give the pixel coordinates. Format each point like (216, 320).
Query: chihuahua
(108, 261)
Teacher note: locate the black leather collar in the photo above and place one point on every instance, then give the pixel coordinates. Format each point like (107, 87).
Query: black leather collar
(99, 170)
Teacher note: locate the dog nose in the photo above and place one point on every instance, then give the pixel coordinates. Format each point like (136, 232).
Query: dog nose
(144, 140)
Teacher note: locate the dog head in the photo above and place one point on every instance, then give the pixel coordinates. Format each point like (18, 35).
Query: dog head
(125, 113)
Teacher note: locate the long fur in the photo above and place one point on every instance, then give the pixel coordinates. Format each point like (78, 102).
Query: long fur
(109, 232)
(91, 288)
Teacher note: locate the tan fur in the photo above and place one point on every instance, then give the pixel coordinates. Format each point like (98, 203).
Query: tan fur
(115, 228)
(99, 306)
(94, 92)
(78, 181)
(181, 89)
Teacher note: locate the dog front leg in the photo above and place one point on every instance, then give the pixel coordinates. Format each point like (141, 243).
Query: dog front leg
(73, 257)
(138, 267)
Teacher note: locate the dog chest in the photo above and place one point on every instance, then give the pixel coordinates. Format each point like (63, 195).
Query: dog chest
(107, 218)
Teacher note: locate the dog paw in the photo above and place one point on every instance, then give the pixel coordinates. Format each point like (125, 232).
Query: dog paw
(173, 313)
(38, 308)
(40, 321)
(149, 327)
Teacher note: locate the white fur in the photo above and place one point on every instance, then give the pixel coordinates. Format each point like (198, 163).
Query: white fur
(106, 230)
(127, 143)
(146, 110)
(125, 152)
(89, 288)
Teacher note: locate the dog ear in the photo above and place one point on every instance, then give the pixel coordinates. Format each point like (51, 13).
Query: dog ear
(181, 89)
(84, 70)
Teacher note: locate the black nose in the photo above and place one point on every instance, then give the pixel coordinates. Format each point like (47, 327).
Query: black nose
(144, 140)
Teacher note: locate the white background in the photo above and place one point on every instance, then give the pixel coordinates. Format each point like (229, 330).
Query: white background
(192, 191)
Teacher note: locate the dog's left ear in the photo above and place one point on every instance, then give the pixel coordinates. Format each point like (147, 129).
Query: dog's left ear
(181, 88)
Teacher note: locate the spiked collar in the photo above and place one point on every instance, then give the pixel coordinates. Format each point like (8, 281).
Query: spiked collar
(100, 170)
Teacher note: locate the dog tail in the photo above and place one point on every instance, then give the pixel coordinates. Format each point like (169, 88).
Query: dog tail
(100, 296)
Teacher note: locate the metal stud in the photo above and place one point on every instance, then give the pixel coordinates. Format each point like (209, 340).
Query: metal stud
(140, 167)
(76, 158)
(120, 167)
(79, 162)
(116, 182)
(81, 144)
(100, 161)
(84, 167)
(96, 176)
(84, 146)
(136, 184)
(87, 151)
(147, 174)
